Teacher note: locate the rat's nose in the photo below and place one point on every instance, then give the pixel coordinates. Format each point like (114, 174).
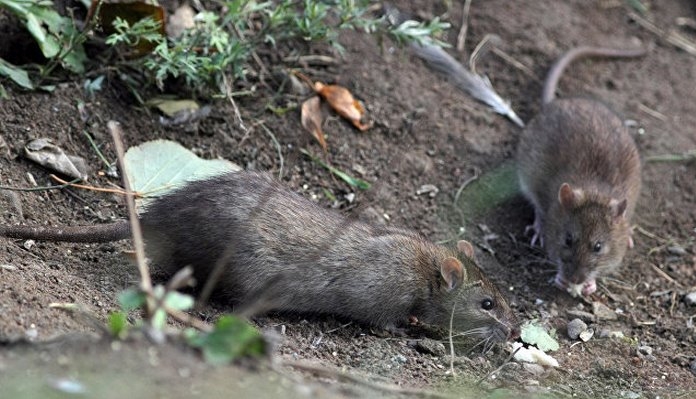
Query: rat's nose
(514, 333)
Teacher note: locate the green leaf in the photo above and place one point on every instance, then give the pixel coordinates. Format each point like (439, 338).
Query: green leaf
(156, 167)
(231, 339)
(178, 301)
(353, 181)
(17, 74)
(118, 324)
(159, 319)
(534, 334)
(48, 44)
(131, 299)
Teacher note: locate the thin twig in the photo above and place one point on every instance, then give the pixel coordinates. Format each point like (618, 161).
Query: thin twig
(96, 149)
(655, 114)
(508, 58)
(188, 319)
(237, 114)
(664, 275)
(92, 188)
(451, 343)
(670, 37)
(145, 280)
(215, 275)
(324, 371)
(43, 188)
(461, 37)
(277, 145)
(465, 184)
(505, 363)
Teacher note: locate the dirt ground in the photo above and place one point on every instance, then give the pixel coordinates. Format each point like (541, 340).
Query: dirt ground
(425, 132)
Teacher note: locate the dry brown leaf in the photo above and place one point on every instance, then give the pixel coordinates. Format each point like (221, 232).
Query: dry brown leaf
(343, 102)
(311, 119)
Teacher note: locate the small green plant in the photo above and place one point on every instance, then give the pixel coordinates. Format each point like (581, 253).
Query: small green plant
(60, 42)
(222, 44)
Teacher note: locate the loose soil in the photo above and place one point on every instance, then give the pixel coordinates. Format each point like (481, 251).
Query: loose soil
(425, 132)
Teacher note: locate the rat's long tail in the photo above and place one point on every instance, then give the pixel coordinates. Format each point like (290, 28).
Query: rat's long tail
(97, 233)
(554, 75)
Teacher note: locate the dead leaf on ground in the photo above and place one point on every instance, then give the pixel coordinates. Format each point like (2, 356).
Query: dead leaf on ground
(343, 102)
(49, 155)
(312, 118)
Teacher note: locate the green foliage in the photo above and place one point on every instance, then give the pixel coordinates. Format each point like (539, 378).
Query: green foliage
(118, 324)
(60, 42)
(231, 339)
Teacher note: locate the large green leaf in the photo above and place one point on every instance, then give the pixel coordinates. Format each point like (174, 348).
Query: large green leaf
(17, 74)
(157, 167)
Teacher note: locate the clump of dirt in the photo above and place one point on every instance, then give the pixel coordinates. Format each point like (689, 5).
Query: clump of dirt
(425, 132)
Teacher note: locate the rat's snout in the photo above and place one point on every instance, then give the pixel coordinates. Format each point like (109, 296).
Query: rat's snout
(514, 333)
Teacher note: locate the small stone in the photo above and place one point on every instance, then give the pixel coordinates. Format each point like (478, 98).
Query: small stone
(28, 244)
(429, 189)
(645, 350)
(538, 301)
(692, 367)
(676, 250)
(586, 335)
(575, 327)
(400, 358)
(350, 197)
(607, 333)
(587, 317)
(533, 369)
(603, 312)
(690, 298)
(430, 347)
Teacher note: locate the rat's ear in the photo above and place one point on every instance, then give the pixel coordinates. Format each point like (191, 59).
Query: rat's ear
(465, 247)
(569, 197)
(618, 208)
(452, 272)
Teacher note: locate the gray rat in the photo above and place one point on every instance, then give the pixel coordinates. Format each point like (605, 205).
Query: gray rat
(580, 169)
(309, 258)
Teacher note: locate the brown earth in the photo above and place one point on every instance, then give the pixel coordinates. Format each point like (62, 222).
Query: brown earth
(425, 133)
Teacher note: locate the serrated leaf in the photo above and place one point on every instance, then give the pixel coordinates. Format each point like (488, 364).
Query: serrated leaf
(157, 167)
(17, 74)
(534, 334)
(131, 299)
(178, 301)
(231, 338)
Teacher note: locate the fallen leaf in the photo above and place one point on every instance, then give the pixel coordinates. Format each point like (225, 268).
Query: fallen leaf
(156, 167)
(343, 102)
(170, 107)
(311, 119)
(49, 155)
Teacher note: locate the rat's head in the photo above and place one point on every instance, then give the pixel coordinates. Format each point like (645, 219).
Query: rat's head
(479, 307)
(586, 235)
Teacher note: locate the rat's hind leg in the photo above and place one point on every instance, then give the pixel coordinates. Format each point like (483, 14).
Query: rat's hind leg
(538, 228)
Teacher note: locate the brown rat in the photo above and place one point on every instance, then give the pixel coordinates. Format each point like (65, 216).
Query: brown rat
(310, 258)
(580, 169)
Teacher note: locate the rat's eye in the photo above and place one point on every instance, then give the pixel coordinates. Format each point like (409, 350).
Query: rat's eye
(487, 304)
(568, 240)
(597, 247)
